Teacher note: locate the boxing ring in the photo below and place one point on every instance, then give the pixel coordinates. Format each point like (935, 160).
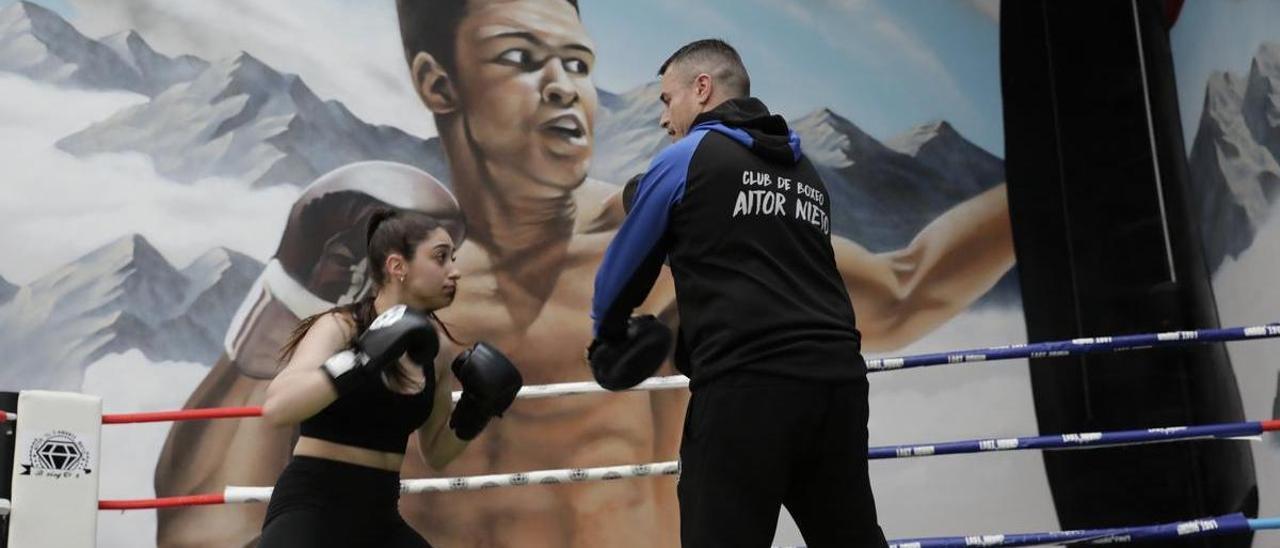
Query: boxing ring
(55, 499)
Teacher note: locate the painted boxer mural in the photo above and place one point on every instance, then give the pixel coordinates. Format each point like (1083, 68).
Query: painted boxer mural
(530, 152)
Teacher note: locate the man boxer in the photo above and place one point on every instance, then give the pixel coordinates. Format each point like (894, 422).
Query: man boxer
(770, 346)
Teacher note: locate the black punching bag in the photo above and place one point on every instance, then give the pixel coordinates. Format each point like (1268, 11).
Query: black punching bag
(1106, 245)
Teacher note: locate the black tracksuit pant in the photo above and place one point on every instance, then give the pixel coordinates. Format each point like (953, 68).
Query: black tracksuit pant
(753, 442)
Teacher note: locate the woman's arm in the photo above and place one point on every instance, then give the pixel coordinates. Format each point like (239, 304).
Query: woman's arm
(436, 442)
(302, 389)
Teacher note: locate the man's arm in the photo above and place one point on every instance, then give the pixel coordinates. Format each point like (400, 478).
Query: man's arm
(634, 258)
(900, 296)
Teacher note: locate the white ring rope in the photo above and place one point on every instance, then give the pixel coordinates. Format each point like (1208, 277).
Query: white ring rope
(538, 391)
(238, 494)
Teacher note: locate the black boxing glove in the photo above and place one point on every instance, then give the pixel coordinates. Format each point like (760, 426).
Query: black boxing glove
(396, 332)
(624, 360)
(629, 192)
(489, 385)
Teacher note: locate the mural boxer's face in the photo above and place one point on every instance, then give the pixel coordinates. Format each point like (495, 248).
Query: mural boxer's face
(525, 91)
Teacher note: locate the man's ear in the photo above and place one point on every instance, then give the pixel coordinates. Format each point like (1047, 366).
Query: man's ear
(703, 88)
(433, 84)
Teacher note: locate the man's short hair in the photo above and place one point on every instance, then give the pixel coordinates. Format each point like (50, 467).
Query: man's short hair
(431, 26)
(716, 58)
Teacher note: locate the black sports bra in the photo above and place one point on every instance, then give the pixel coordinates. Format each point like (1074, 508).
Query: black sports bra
(373, 417)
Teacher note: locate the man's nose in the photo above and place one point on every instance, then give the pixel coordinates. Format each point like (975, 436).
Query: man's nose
(557, 89)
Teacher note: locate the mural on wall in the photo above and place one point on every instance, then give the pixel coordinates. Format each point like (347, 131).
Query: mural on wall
(1227, 64)
(171, 227)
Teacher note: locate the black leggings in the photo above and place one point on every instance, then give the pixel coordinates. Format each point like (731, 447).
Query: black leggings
(755, 442)
(319, 503)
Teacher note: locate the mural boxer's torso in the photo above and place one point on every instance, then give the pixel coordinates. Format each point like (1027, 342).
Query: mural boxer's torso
(546, 336)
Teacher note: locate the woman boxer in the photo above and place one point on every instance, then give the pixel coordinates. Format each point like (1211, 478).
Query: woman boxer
(362, 377)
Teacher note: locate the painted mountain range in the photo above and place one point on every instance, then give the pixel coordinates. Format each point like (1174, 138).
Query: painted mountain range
(242, 119)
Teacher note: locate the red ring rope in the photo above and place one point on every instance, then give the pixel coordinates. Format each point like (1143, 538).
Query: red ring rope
(182, 415)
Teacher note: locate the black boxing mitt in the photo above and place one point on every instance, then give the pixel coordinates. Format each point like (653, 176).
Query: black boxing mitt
(621, 362)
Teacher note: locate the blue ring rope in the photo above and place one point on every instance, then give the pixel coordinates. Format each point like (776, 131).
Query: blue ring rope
(1222, 525)
(1078, 346)
(1067, 441)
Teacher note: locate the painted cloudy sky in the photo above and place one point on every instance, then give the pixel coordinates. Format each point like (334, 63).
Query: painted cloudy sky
(854, 56)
